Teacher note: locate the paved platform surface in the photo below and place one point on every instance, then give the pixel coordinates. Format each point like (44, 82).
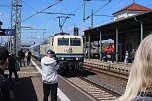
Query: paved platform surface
(30, 86)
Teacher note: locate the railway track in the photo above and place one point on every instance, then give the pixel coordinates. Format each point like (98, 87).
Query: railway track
(98, 92)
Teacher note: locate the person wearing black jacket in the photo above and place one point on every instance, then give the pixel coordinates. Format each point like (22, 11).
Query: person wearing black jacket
(11, 67)
(4, 89)
(21, 56)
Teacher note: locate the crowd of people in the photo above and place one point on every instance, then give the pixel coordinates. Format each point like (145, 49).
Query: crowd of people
(22, 55)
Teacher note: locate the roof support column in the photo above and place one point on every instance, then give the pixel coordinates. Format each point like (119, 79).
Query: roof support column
(141, 28)
(85, 46)
(100, 51)
(116, 45)
(89, 52)
(141, 35)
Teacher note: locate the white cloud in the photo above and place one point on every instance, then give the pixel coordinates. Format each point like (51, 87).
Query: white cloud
(1, 14)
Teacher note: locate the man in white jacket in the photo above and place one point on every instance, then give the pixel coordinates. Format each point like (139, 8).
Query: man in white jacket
(50, 76)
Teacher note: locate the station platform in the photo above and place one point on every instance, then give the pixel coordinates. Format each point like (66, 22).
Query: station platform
(120, 67)
(97, 61)
(30, 87)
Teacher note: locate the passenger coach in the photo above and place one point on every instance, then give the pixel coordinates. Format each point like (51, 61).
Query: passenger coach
(35, 50)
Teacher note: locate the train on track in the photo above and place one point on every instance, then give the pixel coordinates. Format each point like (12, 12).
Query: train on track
(68, 50)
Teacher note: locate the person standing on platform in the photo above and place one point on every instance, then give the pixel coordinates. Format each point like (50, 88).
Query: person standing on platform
(28, 57)
(139, 86)
(21, 55)
(11, 68)
(106, 58)
(4, 89)
(126, 58)
(132, 55)
(112, 57)
(49, 76)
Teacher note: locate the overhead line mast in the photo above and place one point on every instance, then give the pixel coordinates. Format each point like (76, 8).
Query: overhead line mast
(16, 6)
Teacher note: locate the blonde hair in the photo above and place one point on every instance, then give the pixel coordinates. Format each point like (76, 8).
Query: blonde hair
(140, 76)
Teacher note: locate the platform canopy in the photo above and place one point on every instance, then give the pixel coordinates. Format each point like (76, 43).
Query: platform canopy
(127, 26)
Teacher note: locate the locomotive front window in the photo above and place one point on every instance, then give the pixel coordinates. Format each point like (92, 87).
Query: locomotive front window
(75, 42)
(63, 41)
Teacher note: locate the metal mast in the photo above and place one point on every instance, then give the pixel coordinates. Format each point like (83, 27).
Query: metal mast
(16, 6)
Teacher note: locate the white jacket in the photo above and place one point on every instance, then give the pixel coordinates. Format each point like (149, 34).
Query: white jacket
(49, 68)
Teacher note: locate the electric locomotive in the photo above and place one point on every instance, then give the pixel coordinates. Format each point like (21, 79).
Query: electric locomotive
(68, 50)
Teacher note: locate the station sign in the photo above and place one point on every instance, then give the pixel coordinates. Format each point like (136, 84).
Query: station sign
(7, 32)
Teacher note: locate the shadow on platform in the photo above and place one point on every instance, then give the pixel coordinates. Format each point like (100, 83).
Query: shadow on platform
(24, 91)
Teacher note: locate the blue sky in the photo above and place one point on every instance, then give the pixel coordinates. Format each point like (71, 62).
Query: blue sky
(50, 22)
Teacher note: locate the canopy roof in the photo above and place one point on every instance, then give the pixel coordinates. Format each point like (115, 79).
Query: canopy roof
(128, 25)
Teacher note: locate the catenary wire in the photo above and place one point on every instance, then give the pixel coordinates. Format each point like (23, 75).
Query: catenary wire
(40, 11)
(98, 10)
(29, 5)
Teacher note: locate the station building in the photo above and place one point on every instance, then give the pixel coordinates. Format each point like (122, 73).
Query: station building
(131, 24)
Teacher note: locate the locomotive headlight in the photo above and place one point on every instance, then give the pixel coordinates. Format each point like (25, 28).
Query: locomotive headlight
(77, 58)
(80, 58)
(62, 58)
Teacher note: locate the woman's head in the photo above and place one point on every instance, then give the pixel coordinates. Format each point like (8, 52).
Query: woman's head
(143, 61)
